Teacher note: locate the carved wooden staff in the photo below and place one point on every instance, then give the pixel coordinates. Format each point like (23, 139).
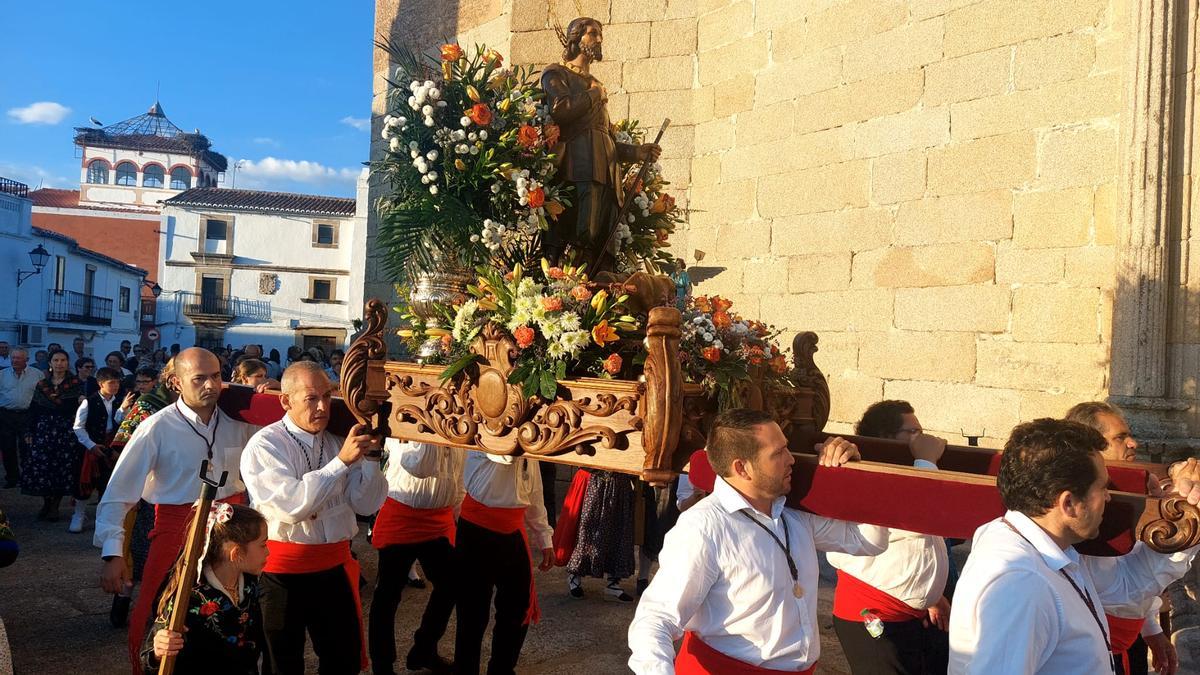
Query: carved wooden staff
(193, 545)
(612, 231)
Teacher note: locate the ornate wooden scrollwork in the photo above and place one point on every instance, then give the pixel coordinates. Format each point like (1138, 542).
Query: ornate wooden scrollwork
(663, 404)
(1169, 525)
(368, 346)
(807, 375)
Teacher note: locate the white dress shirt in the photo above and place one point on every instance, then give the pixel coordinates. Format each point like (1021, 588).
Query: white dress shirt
(5, 362)
(913, 569)
(306, 493)
(683, 490)
(503, 481)
(81, 416)
(726, 579)
(161, 464)
(1014, 612)
(1147, 609)
(16, 391)
(423, 475)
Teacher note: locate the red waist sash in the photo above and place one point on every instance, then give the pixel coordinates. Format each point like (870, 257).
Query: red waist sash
(399, 523)
(697, 658)
(504, 521)
(853, 595)
(566, 530)
(1123, 632)
(288, 557)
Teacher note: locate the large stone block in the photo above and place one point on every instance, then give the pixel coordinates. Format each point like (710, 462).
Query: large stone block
(1059, 103)
(678, 142)
(853, 21)
(1042, 366)
(909, 46)
(984, 216)
(1092, 267)
(1104, 214)
(763, 274)
(673, 38)
(650, 107)
(1056, 314)
(539, 46)
(733, 96)
(1053, 218)
(917, 128)
(957, 408)
(985, 164)
(924, 9)
(770, 14)
(836, 351)
(862, 100)
(785, 80)
(1078, 157)
(652, 10)
(1055, 59)
(657, 74)
(1055, 404)
(704, 102)
(981, 308)
(918, 355)
(726, 25)
(735, 60)
(985, 25)
(730, 202)
(742, 239)
(714, 136)
(625, 41)
(968, 77)
(850, 394)
(899, 177)
(808, 273)
(1015, 265)
(754, 161)
(853, 310)
(824, 188)
(563, 11)
(832, 232)
(765, 124)
(529, 15)
(921, 266)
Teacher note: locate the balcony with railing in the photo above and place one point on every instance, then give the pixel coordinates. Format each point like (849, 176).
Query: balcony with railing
(72, 307)
(203, 308)
(12, 187)
(149, 311)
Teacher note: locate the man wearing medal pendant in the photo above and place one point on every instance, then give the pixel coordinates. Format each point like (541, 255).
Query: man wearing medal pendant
(737, 574)
(1027, 602)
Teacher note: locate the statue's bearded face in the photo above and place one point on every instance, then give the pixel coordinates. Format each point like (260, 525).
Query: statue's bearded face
(591, 44)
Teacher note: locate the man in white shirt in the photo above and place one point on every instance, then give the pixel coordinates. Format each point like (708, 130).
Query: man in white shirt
(309, 484)
(1027, 602)
(17, 384)
(905, 586)
(96, 422)
(5, 359)
(425, 485)
(737, 576)
(503, 521)
(161, 463)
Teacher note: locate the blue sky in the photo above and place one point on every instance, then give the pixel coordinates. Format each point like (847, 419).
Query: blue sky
(283, 85)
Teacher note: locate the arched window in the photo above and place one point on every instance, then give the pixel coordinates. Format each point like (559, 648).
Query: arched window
(181, 178)
(97, 171)
(152, 176)
(127, 174)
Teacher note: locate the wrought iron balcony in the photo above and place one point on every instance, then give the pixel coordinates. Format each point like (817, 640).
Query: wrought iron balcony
(204, 308)
(12, 187)
(149, 310)
(69, 306)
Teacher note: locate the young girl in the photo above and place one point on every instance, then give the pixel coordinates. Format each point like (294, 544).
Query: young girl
(224, 625)
(250, 372)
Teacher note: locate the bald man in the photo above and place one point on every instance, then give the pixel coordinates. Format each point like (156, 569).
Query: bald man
(161, 463)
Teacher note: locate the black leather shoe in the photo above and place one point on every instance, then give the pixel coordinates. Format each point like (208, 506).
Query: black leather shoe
(435, 665)
(641, 586)
(118, 616)
(416, 583)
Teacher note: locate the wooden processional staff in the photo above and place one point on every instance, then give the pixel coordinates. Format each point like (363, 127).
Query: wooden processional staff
(192, 548)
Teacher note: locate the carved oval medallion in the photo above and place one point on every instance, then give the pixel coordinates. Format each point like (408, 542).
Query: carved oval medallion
(491, 393)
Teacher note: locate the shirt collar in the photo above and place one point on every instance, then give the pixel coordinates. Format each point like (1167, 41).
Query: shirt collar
(296, 431)
(732, 501)
(213, 581)
(1054, 556)
(191, 415)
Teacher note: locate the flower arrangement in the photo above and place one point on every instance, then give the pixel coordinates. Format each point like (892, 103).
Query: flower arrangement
(652, 217)
(719, 349)
(560, 322)
(468, 163)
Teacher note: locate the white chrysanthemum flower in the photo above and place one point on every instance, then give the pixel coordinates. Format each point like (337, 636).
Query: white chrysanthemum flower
(474, 149)
(463, 319)
(495, 188)
(433, 175)
(569, 321)
(465, 121)
(427, 110)
(429, 122)
(412, 103)
(433, 189)
(432, 155)
(412, 145)
(435, 93)
(555, 350)
(483, 134)
(395, 145)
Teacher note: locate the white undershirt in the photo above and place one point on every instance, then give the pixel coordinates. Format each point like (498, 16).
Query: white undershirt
(503, 481)
(423, 475)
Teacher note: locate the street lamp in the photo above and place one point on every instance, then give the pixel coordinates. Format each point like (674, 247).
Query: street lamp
(38, 257)
(155, 289)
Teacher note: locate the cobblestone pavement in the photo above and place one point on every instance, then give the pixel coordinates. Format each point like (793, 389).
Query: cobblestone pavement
(57, 619)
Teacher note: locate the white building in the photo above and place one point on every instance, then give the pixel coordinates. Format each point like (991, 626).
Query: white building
(74, 292)
(250, 267)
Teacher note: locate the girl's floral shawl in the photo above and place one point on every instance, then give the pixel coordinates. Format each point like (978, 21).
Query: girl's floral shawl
(60, 397)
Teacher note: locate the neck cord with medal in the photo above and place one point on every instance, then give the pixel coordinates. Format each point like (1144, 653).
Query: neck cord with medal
(1085, 597)
(320, 449)
(785, 546)
(208, 443)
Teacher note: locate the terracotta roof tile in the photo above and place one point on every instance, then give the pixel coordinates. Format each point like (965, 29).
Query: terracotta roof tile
(257, 200)
(57, 198)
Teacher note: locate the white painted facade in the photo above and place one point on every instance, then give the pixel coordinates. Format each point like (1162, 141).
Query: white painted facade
(266, 268)
(138, 195)
(50, 307)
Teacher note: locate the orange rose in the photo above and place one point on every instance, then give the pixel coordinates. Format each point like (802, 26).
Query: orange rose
(493, 57)
(604, 333)
(480, 114)
(556, 273)
(721, 319)
(721, 304)
(755, 355)
(702, 304)
(711, 354)
(779, 364)
(527, 136)
(523, 336)
(612, 365)
(581, 293)
(451, 52)
(550, 133)
(537, 197)
(661, 236)
(554, 209)
(552, 303)
(664, 203)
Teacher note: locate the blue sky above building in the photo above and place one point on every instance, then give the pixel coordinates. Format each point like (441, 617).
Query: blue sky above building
(285, 87)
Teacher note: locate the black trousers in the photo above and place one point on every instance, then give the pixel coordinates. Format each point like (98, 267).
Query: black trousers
(905, 648)
(321, 603)
(1138, 653)
(437, 559)
(12, 440)
(490, 562)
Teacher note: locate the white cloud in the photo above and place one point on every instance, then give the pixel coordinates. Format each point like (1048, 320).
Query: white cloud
(266, 140)
(270, 172)
(359, 123)
(35, 176)
(42, 112)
